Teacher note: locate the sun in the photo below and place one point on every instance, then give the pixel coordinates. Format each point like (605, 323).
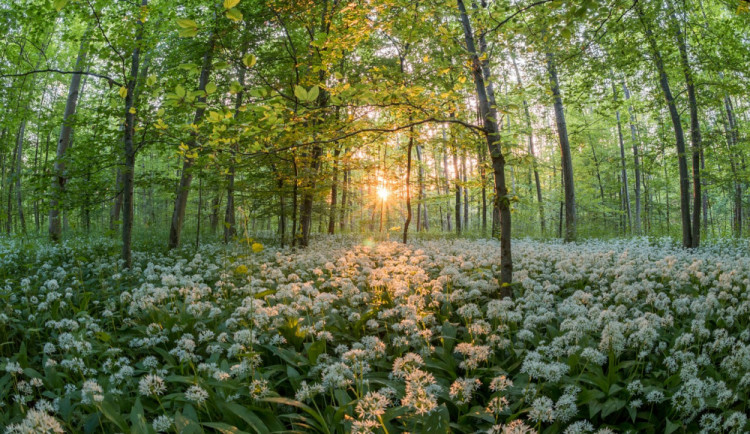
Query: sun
(383, 193)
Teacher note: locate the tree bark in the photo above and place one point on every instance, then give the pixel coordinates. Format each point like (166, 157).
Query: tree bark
(66, 131)
(186, 176)
(488, 109)
(334, 192)
(623, 167)
(457, 183)
(534, 162)
(408, 184)
(128, 170)
(695, 133)
(19, 174)
(566, 161)
(687, 234)
(636, 162)
(230, 214)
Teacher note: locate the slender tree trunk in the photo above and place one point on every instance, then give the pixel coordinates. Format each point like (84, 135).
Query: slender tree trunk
(294, 200)
(282, 209)
(636, 163)
(66, 131)
(534, 162)
(623, 166)
(457, 183)
(695, 133)
(186, 176)
(464, 179)
(422, 224)
(732, 141)
(200, 208)
(129, 152)
(19, 174)
(344, 195)
(486, 97)
(408, 184)
(334, 192)
(314, 163)
(566, 162)
(230, 213)
(687, 234)
(446, 187)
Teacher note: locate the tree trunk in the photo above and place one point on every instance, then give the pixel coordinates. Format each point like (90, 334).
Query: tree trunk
(334, 192)
(19, 174)
(446, 187)
(66, 130)
(464, 178)
(636, 163)
(566, 162)
(623, 167)
(294, 200)
(534, 162)
(687, 234)
(230, 215)
(457, 183)
(408, 184)
(344, 195)
(488, 109)
(128, 150)
(695, 133)
(186, 176)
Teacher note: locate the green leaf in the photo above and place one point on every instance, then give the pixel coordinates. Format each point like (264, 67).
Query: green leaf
(210, 88)
(229, 4)
(185, 425)
(301, 406)
(300, 93)
(611, 406)
(59, 4)
(112, 412)
(314, 350)
(249, 60)
(138, 419)
(224, 428)
(671, 427)
(234, 15)
(248, 416)
(438, 421)
(235, 87)
(313, 93)
(179, 91)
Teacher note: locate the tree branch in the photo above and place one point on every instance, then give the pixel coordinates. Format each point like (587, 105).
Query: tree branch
(39, 71)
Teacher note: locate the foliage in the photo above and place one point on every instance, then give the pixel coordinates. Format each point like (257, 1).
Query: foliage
(346, 336)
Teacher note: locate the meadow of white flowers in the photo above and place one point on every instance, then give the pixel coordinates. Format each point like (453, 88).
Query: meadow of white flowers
(349, 336)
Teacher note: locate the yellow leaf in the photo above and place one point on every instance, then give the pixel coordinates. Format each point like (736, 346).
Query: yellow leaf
(59, 4)
(229, 4)
(249, 60)
(123, 92)
(186, 23)
(188, 33)
(132, 110)
(234, 15)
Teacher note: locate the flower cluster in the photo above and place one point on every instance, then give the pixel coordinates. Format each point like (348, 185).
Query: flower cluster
(632, 335)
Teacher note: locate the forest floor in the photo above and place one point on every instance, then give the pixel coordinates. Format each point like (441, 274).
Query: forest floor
(347, 336)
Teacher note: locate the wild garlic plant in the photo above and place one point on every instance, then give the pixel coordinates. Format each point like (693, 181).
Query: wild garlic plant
(346, 336)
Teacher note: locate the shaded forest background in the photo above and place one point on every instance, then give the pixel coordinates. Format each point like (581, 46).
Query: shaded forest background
(182, 121)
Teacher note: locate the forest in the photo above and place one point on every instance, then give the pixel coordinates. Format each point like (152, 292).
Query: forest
(499, 216)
